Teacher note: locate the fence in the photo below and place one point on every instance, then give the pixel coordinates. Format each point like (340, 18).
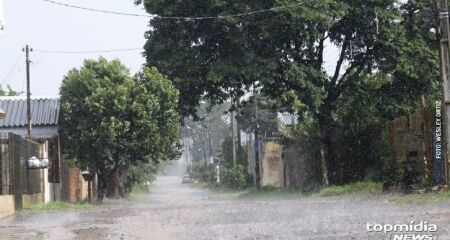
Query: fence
(15, 178)
(411, 139)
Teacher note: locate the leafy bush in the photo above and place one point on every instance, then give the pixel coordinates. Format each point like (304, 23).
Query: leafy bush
(139, 178)
(234, 177)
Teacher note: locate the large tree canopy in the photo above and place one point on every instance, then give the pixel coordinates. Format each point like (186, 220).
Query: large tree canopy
(380, 43)
(123, 121)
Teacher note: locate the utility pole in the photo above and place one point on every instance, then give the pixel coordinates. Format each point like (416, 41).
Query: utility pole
(444, 47)
(257, 147)
(208, 119)
(233, 137)
(27, 50)
(204, 133)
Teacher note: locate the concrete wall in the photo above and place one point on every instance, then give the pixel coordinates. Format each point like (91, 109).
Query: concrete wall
(296, 170)
(250, 157)
(34, 179)
(33, 199)
(54, 192)
(6, 205)
(272, 170)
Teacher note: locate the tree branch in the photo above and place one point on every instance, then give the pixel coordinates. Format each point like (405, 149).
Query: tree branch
(340, 61)
(347, 72)
(320, 51)
(350, 78)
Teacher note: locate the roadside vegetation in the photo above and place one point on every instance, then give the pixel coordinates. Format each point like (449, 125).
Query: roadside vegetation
(58, 206)
(129, 123)
(357, 188)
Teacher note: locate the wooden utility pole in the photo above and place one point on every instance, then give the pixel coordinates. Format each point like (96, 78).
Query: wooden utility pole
(257, 146)
(444, 47)
(233, 137)
(27, 50)
(211, 157)
(204, 133)
(444, 29)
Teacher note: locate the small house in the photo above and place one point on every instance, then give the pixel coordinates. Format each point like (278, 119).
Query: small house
(60, 181)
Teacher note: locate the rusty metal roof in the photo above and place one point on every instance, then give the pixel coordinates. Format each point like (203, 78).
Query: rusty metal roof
(44, 111)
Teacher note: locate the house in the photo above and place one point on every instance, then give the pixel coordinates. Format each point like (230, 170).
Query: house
(60, 181)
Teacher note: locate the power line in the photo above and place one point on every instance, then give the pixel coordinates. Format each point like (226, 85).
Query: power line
(93, 51)
(11, 70)
(177, 17)
(98, 10)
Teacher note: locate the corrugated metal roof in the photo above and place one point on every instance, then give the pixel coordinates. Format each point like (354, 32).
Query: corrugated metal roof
(38, 132)
(44, 111)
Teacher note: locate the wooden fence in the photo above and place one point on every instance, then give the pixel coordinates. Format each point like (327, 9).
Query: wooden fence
(414, 141)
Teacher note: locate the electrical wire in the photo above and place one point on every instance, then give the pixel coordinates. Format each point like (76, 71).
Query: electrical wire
(11, 70)
(86, 52)
(176, 17)
(98, 10)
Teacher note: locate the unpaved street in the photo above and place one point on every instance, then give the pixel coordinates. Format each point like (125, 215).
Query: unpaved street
(176, 211)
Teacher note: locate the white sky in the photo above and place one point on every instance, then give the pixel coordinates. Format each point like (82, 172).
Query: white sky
(45, 26)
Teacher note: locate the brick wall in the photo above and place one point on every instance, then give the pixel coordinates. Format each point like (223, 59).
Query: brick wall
(73, 186)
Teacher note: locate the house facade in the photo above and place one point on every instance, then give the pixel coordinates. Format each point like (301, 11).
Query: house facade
(59, 181)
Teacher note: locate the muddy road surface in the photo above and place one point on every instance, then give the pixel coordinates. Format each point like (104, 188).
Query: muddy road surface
(178, 211)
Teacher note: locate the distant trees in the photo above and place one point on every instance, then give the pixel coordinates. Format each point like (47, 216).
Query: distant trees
(8, 91)
(383, 53)
(111, 121)
(208, 131)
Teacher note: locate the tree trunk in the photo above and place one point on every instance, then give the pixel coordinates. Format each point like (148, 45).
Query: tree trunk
(101, 187)
(324, 156)
(326, 153)
(115, 185)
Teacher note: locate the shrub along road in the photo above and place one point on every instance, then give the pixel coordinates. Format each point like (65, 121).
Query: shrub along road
(176, 211)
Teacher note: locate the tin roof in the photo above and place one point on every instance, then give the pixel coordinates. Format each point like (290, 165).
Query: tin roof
(44, 111)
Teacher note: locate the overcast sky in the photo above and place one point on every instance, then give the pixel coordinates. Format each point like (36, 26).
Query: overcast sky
(45, 26)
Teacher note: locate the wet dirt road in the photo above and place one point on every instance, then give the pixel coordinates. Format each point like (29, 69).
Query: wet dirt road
(176, 211)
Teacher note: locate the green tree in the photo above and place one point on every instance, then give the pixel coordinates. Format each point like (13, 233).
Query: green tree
(9, 91)
(111, 121)
(282, 51)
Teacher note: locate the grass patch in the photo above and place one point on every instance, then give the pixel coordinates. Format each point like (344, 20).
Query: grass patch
(138, 192)
(58, 206)
(357, 188)
(417, 198)
(274, 193)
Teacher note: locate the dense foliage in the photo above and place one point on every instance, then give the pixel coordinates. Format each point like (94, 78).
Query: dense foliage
(111, 121)
(384, 58)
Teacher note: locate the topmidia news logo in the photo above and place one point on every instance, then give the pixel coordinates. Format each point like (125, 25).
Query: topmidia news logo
(412, 231)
